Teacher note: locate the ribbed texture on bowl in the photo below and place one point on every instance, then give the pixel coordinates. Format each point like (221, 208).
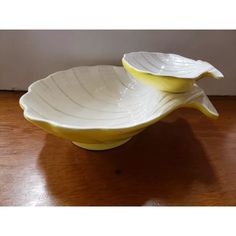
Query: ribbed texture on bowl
(100, 97)
(171, 65)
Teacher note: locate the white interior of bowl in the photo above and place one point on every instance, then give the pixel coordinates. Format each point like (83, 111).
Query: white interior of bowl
(166, 64)
(98, 97)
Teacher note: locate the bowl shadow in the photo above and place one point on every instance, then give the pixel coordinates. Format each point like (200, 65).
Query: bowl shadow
(161, 163)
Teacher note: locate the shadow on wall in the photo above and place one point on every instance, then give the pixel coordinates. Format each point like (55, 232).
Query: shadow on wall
(161, 163)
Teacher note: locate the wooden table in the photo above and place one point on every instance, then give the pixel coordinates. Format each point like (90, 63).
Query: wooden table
(186, 159)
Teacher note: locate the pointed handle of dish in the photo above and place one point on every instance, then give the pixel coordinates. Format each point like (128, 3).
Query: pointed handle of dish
(212, 72)
(204, 105)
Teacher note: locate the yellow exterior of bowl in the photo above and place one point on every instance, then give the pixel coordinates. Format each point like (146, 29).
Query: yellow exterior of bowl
(107, 137)
(164, 83)
(104, 139)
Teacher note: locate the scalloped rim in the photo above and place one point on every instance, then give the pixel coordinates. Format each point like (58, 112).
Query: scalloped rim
(53, 124)
(212, 72)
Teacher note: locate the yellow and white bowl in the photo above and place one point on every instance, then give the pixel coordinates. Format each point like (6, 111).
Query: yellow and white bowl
(168, 72)
(101, 107)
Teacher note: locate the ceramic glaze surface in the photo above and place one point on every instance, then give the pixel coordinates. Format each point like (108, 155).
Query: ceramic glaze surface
(101, 107)
(168, 72)
(172, 65)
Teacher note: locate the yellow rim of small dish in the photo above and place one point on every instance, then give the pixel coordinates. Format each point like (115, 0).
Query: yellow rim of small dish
(164, 83)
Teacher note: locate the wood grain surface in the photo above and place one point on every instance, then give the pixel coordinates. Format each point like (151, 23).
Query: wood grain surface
(186, 159)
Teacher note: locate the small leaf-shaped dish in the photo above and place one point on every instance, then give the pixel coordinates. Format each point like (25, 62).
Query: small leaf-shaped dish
(168, 72)
(101, 107)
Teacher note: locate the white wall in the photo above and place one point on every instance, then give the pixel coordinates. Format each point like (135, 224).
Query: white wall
(26, 56)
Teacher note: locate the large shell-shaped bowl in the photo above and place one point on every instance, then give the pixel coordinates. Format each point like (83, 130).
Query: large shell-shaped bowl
(168, 72)
(101, 107)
